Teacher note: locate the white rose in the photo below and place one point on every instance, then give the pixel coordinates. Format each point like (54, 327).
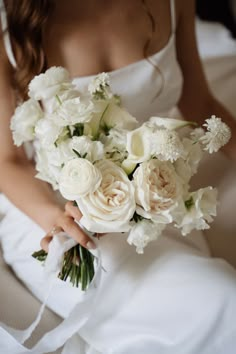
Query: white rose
(78, 178)
(112, 205)
(50, 83)
(47, 132)
(73, 111)
(139, 144)
(157, 188)
(117, 117)
(201, 206)
(144, 232)
(24, 120)
(92, 150)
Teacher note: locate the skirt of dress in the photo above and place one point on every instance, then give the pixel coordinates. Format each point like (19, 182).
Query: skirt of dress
(174, 298)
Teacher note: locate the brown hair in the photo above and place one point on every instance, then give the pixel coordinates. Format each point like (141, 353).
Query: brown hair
(26, 21)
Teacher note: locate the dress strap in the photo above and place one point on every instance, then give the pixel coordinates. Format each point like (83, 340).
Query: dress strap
(173, 16)
(6, 36)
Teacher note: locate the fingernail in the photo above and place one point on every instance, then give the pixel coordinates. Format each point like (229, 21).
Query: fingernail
(90, 245)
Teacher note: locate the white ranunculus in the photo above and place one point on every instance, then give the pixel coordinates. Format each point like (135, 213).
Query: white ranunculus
(157, 188)
(78, 178)
(144, 232)
(47, 132)
(73, 111)
(117, 117)
(50, 83)
(139, 144)
(92, 150)
(111, 206)
(201, 207)
(23, 121)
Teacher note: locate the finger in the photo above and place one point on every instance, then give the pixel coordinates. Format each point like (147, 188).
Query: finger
(73, 211)
(44, 243)
(72, 229)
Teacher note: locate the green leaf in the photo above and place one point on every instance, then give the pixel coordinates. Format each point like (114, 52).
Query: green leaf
(189, 203)
(78, 129)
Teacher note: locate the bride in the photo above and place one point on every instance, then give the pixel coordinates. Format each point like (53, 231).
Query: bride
(173, 299)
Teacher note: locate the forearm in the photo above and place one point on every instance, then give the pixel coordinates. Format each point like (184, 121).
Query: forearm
(220, 111)
(34, 197)
(199, 111)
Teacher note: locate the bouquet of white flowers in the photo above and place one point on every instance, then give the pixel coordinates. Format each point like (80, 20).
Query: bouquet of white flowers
(123, 177)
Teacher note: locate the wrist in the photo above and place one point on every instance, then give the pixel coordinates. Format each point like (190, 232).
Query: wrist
(49, 216)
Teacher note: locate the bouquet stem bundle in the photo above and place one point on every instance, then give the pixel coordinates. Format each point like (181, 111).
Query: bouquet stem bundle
(77, 265)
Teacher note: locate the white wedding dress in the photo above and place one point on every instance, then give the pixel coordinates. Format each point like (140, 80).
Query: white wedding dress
(173, 299)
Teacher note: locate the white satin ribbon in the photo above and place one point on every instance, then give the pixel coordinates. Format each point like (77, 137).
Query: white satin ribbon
(11, 340)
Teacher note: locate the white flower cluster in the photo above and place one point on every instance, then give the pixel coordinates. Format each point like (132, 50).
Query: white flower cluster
(123, 177)
(218, 134)
(99, 87)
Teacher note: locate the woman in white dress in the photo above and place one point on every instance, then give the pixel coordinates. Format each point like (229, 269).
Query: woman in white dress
(175, 298)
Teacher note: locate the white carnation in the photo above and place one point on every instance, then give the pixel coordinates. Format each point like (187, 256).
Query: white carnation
(23, 121)
(218, 134)
(144, 232)
(201, 206)
(78, 178)
(166, 145)
(50, 83)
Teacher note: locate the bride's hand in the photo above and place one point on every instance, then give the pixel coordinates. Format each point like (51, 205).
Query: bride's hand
(66, 222)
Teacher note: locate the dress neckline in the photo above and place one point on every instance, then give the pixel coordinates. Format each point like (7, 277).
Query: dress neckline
(124, 68)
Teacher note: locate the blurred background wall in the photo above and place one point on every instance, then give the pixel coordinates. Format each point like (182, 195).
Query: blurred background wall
(223, 11)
